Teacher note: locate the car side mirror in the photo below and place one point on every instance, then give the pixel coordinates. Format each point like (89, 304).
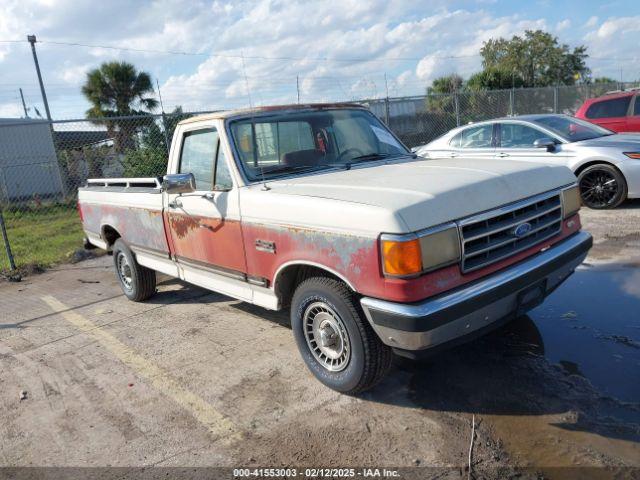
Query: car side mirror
(545, 142)
(179, 183)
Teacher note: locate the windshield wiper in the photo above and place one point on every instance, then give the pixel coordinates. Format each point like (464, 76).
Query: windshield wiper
(374, 156)
(369, 156)
(292, 168)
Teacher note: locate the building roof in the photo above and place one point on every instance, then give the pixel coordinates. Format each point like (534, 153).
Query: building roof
(66, 139)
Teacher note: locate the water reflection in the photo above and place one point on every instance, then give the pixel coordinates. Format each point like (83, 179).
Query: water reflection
(591, 327)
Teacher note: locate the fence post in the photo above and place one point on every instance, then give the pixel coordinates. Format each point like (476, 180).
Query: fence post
(7, 246)
(511, 99)
(166, 135)
(457, 106)
(386, 111)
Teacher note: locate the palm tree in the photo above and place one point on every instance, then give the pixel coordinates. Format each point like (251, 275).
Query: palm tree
(117, 89)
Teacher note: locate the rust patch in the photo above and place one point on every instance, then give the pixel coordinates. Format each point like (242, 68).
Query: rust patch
(181, 225)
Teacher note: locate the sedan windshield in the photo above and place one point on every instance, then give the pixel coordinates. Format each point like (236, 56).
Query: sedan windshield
(299, 142)
(572, 129)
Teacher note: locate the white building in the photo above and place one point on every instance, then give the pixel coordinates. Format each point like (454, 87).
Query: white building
(28, 162)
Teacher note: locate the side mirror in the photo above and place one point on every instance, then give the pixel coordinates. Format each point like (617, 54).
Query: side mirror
(545, 142)
(179, 183)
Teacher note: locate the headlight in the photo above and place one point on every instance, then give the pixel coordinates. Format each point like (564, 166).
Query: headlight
(571, 201)
(635, 155)
(413, 254)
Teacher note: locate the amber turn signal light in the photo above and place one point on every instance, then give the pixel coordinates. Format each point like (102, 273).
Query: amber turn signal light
(401, 258)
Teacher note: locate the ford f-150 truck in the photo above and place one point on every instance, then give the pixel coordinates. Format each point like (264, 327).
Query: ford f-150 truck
(321, 209)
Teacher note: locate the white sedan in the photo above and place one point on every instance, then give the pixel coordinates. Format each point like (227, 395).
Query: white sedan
(607, 164)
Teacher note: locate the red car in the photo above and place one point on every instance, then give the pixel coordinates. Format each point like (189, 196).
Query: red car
(617, 111)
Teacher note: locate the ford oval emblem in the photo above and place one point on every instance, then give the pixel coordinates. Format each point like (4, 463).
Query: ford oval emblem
(522, 229)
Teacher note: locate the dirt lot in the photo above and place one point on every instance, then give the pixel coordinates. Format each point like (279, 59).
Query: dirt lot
(192, 378)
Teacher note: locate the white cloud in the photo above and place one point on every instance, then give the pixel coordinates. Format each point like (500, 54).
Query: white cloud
(592, 22)
(360, 40)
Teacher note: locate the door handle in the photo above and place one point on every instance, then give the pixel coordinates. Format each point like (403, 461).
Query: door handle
(502, 155)
(175, 204)
(453, 155)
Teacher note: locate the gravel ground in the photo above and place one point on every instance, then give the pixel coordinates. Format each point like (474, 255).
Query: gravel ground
(192, 378)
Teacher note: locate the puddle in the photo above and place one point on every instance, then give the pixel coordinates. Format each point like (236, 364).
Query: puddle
(590, 327)
(557, 387)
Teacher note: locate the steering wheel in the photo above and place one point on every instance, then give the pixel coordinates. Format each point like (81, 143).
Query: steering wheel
(357, 151)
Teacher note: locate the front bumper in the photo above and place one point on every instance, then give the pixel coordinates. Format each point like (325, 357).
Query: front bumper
(459, 315)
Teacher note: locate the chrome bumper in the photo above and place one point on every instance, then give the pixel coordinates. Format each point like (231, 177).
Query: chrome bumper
(455, 316)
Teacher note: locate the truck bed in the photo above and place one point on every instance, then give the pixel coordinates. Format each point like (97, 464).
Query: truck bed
(131, 206)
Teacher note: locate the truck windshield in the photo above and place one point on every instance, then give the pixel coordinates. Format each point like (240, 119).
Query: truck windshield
(300, 142)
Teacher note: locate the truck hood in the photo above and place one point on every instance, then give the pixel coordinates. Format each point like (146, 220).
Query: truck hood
(425, 193)
(620, 141)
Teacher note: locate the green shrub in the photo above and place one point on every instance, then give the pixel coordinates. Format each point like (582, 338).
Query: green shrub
(145, 162)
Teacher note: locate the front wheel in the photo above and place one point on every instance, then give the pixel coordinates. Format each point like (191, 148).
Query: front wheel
(335, 340)
(137, 282)
(602, 186)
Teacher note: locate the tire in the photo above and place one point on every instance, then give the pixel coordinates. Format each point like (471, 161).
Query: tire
(332, 317)
(138, 283)
(602, 186)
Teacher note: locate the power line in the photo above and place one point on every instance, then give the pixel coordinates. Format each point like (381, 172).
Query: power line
(257, 57)
(265, 57)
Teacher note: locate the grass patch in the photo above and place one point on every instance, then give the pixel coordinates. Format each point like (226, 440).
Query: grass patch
(41, 237)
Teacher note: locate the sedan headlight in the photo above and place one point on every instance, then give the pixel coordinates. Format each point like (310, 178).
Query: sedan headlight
(571, 201)
(634, 155)
(413, 254)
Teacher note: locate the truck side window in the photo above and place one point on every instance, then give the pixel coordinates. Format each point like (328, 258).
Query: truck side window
(223, 176)
(616, 107)
(198, 155)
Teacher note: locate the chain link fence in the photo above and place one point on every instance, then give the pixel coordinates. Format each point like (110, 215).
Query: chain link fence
(420, 119)
(42, 163)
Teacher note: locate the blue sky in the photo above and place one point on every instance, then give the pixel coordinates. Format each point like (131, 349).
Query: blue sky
(338, 49)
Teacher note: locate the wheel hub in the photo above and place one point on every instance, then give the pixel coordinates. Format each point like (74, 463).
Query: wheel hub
(598, 188)
(124, 270)
(326, 336)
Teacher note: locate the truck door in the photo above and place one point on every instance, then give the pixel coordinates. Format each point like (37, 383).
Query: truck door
(205, 225)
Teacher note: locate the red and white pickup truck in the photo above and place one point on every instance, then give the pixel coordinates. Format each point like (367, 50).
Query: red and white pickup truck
(320, 208)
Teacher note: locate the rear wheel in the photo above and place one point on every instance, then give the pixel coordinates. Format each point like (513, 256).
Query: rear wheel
(602, 186)
(335, 340)
(137, 282)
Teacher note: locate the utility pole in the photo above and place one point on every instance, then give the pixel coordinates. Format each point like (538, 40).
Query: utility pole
(63, 180)
(24, 106)
(386, 102)
(32, 41)
(621, 84)
(298, 87)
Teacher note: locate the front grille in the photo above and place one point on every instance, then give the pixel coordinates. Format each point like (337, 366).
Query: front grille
(490, 237)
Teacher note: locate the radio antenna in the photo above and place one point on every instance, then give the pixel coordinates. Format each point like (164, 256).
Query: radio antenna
(246, 80)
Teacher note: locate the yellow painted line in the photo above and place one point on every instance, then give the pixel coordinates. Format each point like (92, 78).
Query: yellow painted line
(217, 423)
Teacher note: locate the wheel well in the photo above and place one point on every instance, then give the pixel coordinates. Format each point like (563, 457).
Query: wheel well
(110, 235)
(292, 275)
(581, 168)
